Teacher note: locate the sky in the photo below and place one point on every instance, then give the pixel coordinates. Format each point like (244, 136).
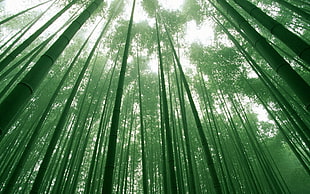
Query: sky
(203, 33)
(194, 33)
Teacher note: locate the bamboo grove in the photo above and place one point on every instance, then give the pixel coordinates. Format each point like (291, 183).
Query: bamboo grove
(119, 97)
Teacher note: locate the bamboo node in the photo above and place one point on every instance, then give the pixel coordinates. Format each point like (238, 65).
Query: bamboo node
(28, 86)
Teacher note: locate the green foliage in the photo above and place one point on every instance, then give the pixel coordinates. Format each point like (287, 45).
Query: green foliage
(150, 6)
(193, 11)
(193, 117)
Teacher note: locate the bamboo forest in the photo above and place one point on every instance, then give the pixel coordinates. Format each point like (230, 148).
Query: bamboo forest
(155, 96)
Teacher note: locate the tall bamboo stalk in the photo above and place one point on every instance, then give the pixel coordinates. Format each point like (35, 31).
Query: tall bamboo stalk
(203, 139)
(29, 40)
(63, 118)
(22, 12)
(294, 81)
(299, 125)
(294, 42)
(16, 100)
(173, 182)
(142, 138)
(304, 15)
(109, 166)
(16, 170)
